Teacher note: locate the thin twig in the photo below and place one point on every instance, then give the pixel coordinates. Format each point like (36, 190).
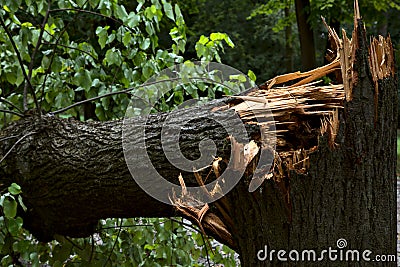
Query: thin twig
(186, 225)
(88, 12)
(205, 246)
(8, 137)
(16, 143)
(91, 99)
(51, 62)
(126, 91)
(2, 99)
(70, 47)
(12, 112)
(2, 23)
(30, 68)
(114, 77)
(73, 243)
(125, 226)
(115, 243)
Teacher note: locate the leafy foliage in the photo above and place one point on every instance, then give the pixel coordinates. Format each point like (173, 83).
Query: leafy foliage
(119, 242)
(70, 67)
(71, 51)
(259, 29)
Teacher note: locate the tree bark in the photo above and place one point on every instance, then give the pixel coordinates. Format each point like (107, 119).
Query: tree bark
(74, 173)
(349, 191)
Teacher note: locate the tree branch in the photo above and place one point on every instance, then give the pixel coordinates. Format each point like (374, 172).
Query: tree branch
(75, 156)
(27, 80)
(16, 143)
(91, 99)
(92, 13)
(51, 62)
(2, 99)
(30, 68)
(12, 112)
(126, 91)
(70, 47)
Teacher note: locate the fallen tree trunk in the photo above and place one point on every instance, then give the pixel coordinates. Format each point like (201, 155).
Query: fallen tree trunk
(333, 177)
(74, 173)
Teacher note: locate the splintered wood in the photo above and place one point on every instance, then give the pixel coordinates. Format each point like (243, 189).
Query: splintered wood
(301, 114)
(381, 59)
(304, 111)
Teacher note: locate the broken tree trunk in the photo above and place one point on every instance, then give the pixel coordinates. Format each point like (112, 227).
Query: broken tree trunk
(345, 198)
(333, 176)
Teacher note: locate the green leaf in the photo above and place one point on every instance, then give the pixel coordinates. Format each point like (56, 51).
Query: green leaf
(203, 40)
(145, 44)
(35, 258)
(14, 225)
(56, 65)
(150, 28)
(120, 12)
(113, 56)
(149, 12)
(217, 36)
(147, 71)
(94, 3)
(239, 77)
(200, 50)
(139, 6)
(229, 41)
(5, 7)
(83, 79)
(100, 112)
(168, 10)
(14, 5)
(102, 35)
(110, 38)
(153, 9)
(14, 189)
(81, 2)
(11, 77)
(126, 40)
(62, 251)
(179, 18)
(251, 75)
(10, 207)
(133, 20)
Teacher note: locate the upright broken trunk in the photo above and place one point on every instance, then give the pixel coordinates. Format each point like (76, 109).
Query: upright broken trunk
(341, 211)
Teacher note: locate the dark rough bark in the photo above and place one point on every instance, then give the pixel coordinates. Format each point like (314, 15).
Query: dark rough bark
(72, 174)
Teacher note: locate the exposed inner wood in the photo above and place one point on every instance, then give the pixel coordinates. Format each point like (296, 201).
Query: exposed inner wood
(304, 111)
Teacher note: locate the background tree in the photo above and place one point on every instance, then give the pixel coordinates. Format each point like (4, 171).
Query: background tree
(269, 23)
